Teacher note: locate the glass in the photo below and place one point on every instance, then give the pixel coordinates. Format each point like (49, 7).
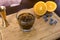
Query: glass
(26, 21)
(3, 15)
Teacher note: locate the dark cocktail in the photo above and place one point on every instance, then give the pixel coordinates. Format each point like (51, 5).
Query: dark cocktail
(26, 21)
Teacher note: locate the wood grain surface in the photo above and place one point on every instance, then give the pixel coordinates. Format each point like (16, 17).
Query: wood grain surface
(41, 30)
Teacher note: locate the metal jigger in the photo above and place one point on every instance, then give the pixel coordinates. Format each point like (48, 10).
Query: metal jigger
(3, 15)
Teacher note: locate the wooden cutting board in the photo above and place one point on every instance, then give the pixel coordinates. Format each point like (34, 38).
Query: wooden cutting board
(41, 30)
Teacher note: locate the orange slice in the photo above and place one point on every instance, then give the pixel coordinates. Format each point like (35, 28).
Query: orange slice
(51, 6)
(40, 8)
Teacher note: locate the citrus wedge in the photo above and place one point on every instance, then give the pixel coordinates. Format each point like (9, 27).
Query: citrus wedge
(40, 8)
(51, 6)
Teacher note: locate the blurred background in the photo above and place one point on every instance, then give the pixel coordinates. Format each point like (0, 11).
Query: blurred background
(29, 4)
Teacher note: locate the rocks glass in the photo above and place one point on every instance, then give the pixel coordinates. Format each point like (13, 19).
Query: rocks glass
(26, 20)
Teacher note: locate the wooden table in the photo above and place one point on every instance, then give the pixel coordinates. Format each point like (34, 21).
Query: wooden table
(41, 29)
